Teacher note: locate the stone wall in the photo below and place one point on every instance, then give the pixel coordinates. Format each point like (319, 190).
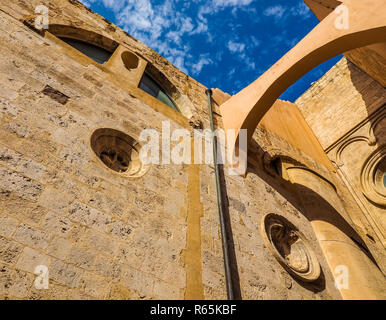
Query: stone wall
(340, 100)
(104, 235)
(350, 126)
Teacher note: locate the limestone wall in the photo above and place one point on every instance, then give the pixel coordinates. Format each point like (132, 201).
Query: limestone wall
(104, 235)
(340, 100)
(346, 111)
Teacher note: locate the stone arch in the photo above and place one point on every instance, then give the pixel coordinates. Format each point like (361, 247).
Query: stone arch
(367, 25)
(72, 32)
(340, 243)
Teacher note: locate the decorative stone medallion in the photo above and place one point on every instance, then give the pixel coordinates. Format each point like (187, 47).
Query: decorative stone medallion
(290, 247)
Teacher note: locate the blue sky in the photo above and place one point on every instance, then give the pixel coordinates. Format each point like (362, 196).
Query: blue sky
(224, 44)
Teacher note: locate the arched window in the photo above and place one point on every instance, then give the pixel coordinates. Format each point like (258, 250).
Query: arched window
(96, 53)
(150, 86)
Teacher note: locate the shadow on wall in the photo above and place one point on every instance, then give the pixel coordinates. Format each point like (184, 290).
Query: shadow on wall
(313, 207)
(368, 171)
(373, 92)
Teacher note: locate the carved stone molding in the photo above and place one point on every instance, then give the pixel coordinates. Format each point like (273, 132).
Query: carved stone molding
(372, 175)
(290, 247)
(336, 149)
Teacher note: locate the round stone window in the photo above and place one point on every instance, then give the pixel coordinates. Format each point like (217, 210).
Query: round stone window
(130, 60)
(118, 151)
(290, 247)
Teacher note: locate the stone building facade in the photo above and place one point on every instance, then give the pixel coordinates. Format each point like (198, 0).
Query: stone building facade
(73, 199)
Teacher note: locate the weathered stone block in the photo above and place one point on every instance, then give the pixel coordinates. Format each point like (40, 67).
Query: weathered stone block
(125, 253)
(213, 279)
(139, 282)
(59, 248)
(56, 200)
(56, 224)
(97, 241)
(175, 275)
(9, 250)
(108, 268)
(55, 95)
(94, 285)
(166, 291)
(88, 216)
(120, 230)
(66, 274)
(18, 129)
(20, 163)
(54, 292)
(8, 226)
(213, 294)
(14, 282)
(32, 237)
(22, 186)
(73, 157)
(118, 292)
(105, 203)
(27, 211)
(81, 257)
(30, 259)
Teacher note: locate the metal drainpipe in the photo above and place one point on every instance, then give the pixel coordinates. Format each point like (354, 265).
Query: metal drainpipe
(225, 246)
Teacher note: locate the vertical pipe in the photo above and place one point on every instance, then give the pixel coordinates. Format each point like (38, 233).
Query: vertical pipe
(224, 238)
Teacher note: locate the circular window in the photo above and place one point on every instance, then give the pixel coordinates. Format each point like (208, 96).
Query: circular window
(373, 177)
(380, 177)
(118, 151)
(130, 60)
(290, 247)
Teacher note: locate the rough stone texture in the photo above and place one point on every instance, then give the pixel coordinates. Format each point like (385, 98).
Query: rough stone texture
(339, 101)
(108, 236)
(351, 126)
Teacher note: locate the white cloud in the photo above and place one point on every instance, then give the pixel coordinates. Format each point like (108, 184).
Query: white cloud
(254, 42)
(203, 61)
(113, 4)
(86, 2)
(229, 3)
(239, 49)
(301, 10)
(249, 62)
(275, 11)
(235, 46)
(201, 28)
(164, 27)
(214, 6)
(148, 22)
(116, 5)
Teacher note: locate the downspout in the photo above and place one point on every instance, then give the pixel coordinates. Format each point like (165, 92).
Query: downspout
(224, 238)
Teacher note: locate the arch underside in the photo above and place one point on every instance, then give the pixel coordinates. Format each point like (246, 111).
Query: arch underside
(367, 25)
